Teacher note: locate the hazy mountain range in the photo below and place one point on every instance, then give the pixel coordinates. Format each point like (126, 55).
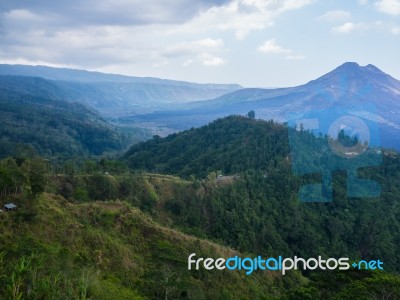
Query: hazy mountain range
(362, 91)
(112, 95)
(166, 105)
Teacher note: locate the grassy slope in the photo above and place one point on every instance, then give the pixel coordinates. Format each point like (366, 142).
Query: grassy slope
(109, 250)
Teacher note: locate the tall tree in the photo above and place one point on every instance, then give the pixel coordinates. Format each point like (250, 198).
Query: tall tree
(37, 175)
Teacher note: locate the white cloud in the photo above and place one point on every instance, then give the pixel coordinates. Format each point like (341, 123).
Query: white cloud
(75, 13)
(204, 51)
(160, 64)
(132, 35)
(209, 43)
(348, 27)
(209, 60)
(192, 48)
(391, 7)
(271, 47)
(241, 16)
(188, 63)
(396, 30)
(22, 15)
(335, 15)
(362, 2)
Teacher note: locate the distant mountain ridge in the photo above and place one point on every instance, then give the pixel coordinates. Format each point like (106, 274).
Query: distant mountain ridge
(165, 106)
(365, 91)
(349, 77)
(115, 95)
(76, 75)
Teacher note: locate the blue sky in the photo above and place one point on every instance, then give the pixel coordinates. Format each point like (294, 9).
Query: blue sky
(256, 43)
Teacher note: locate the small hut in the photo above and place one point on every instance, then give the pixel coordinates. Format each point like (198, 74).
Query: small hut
(10, 207)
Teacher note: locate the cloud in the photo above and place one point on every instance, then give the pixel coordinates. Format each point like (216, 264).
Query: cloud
(271, 47)
(335, 15)
(396, 30)
(241, 16)
(209, 60)
(212, 43)
(348, 27)
(204, 51)
(362, 2)
(114, 12)
(188, 62)
(132, 34)
(191, 48)
(91, 47)
(391, 7)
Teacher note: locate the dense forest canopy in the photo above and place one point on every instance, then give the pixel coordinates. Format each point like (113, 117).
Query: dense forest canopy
(236, 190)
(53, 128)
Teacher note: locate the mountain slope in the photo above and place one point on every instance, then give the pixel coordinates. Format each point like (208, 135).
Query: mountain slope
(115, 95)
(254, 205)
(109, 250)
(77, 239)
(51, 127)
(233, 144)
(350, 89)
(54, 248)
(347, 80)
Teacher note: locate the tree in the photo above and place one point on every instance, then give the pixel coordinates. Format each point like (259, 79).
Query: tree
(37, 175)
(251, 115)
(12, 178)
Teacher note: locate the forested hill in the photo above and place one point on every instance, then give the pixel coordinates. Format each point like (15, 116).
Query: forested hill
(230, 145)
(129, 234)
(259, 209)
(50, 127)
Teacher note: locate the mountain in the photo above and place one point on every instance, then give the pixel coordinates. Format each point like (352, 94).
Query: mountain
(116, 95)
(31, 123)
(92, 229)
(230, 145)
(248, 192)
(69, 243)
(362, 91)
(110, 250)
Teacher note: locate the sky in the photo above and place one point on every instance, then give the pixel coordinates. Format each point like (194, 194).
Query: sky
(254, 43)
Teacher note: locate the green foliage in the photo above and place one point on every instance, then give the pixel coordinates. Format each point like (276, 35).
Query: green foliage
(378, 286)
(31, 175)
(101, 187)
(231, 145)
(257, 208)
(12, 178)
(111, 288)
(37, 175)
(251, 115)
(108, 250)
(348, 285)
(241, 192)
(48, 127)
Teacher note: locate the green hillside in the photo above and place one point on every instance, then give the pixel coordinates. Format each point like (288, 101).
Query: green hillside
(255, 206)
(52, 128)
(230, 145)
(69, 248)
(95, 229)
(58, 248)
